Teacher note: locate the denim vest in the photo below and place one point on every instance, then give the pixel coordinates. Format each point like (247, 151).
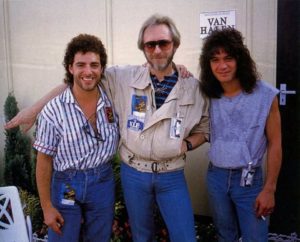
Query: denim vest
(238, 127)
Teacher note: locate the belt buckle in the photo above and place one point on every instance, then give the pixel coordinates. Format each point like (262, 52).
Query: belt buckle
(154, 167)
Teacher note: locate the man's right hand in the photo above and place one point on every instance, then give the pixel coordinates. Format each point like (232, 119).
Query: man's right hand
(26, 118)
(53, 219)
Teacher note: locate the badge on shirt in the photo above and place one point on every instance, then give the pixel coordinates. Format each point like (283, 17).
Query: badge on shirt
(175, 127)
(109, 115)
(68, 195)
(134, 123)
(136, 119)
(138, 105)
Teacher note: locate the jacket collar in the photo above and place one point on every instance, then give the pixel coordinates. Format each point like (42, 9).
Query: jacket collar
(141, 78)
(183, 90)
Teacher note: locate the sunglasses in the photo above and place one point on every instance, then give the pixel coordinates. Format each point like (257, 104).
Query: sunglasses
(162, 44)
(87, 129)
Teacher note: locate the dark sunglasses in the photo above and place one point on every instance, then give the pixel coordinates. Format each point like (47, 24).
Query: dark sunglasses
(162, 44)
(87, 129)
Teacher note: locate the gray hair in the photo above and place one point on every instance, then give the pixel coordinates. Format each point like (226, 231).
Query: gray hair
(158, 20)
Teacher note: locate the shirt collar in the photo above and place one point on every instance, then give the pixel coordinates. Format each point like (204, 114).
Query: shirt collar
(68, 97)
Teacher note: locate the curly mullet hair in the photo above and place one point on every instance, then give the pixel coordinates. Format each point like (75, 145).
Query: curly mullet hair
(231, 41)
(83, 43)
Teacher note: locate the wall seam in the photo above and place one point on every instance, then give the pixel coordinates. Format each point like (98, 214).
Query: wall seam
(109, 31)
(249, 24)
(7, 47)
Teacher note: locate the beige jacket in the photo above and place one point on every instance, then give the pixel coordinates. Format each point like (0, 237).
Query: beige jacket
(153, 142)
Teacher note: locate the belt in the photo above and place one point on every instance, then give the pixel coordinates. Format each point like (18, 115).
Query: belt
(156, 166)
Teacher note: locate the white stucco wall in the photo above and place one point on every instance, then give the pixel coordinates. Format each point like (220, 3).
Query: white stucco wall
(34, 34)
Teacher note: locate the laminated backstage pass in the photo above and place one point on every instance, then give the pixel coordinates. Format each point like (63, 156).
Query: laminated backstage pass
(175, 127)
(136, 119)
(68, 195)
(247, 176)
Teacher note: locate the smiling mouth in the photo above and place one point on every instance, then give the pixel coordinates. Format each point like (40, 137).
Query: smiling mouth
(87, 78)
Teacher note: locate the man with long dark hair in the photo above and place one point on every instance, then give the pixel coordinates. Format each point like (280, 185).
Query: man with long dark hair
(245, 122)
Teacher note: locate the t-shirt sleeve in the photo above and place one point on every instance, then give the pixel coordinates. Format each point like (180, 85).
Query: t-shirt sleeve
(46, 137)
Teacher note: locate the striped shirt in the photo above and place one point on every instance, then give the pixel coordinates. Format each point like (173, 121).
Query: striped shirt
(162, 89)
(64, 133)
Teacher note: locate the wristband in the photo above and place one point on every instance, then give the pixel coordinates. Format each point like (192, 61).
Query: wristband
(188, 145)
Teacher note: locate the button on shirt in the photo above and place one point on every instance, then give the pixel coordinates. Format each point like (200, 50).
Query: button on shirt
(64, 133)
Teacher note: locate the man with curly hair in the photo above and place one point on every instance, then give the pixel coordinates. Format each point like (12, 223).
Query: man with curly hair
(162, 116)
(77, 136)
(245, 122)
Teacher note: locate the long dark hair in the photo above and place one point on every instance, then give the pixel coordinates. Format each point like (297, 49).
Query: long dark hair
(231, 41)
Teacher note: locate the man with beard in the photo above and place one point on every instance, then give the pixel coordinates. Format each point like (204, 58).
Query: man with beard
(161, 117)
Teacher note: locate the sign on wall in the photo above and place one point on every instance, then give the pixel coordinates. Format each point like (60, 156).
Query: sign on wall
(210, 21)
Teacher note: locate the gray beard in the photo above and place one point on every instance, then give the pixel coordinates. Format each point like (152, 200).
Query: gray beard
(161, 67)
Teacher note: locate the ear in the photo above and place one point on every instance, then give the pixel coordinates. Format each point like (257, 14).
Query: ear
(71, 69)
(175, 48)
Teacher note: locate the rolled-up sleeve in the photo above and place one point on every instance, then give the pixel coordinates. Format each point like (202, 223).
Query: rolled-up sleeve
(46, 138)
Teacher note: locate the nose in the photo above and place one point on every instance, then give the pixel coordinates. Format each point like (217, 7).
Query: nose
(223, 64)
(87, 69)
(157, 49)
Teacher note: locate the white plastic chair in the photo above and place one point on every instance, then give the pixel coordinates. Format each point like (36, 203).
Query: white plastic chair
(13, 225)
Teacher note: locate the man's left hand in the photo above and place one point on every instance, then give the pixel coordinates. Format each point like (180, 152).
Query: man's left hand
(264, 203)
(183, 71)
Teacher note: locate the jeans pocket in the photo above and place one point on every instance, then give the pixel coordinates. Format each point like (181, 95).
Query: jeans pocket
(258, 177)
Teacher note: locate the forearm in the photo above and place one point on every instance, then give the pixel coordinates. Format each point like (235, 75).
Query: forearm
(38, 106)
(274, 157)
(27, 116)
(43, 179)
(196, 139)
(274, 150)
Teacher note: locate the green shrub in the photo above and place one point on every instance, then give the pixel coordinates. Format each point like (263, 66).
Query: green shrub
(17, 150)
(33, 209)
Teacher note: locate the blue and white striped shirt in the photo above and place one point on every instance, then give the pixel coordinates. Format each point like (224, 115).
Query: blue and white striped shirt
(62, 133)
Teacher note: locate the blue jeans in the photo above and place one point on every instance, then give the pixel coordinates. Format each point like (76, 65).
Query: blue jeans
(85, 200)
(233, 205)
(170, 192)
